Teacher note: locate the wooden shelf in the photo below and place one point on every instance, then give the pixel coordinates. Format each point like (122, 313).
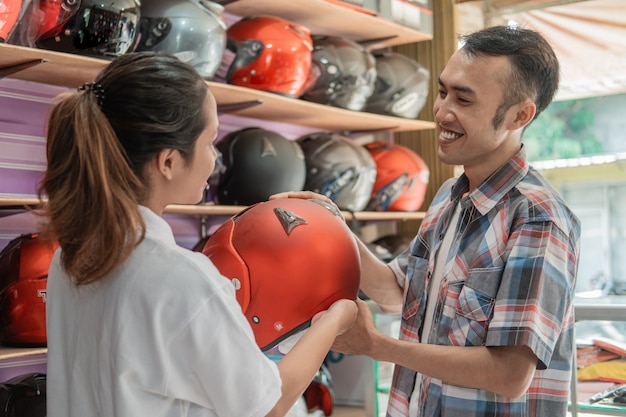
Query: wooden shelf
(8, 353)
(325, 18)
(71, 71)
(304, 113)
(218, 210)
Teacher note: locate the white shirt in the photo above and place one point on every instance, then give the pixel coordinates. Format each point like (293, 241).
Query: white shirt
(162, 336)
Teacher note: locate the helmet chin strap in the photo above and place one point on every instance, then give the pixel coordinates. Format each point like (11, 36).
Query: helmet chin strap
(287, 344)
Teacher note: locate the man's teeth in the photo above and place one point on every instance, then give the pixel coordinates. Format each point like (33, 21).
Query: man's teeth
(450, 135)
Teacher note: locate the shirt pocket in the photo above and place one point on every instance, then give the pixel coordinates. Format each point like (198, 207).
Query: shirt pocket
(417, 271)
(474, 306)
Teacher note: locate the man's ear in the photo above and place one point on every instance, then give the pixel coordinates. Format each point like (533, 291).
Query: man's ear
(524, 114)
(165, 163)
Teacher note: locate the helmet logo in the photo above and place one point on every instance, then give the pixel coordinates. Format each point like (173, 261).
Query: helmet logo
(288, 219)
(267, 149)
(405, 103)
(42, 294)
(278, 326)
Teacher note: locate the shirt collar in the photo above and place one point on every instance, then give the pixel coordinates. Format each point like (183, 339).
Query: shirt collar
(156, 226)
(496, 186)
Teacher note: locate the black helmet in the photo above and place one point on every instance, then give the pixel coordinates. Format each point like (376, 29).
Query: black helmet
(105, 29)
(256, 164)
(193, 30)
(338, 168)
(401, 86)
(24, 395)
(343, 73)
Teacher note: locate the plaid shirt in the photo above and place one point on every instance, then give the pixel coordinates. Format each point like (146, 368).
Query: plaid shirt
(508, 280)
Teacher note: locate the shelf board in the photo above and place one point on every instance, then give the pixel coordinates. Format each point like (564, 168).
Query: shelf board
(8, 353)
(305, 113)
(49, 67)
(71, 71)
(222, 210)
(325, 18)
(217, 210)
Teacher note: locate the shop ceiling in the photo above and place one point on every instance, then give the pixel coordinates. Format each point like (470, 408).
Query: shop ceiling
(589, 36)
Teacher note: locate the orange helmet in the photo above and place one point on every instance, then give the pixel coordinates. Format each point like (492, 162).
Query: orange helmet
(288, 259)
(9, 14)
(24, 265)
(401, 178)
(270, 54)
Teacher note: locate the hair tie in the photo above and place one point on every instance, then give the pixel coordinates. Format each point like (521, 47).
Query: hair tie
(96, 89)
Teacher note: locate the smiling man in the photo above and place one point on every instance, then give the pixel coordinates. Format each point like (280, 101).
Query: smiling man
(486, 287)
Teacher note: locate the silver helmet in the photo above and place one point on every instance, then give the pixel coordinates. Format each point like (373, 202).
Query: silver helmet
(343, 73)
(193, 30)
(338, 168)
(401, 86)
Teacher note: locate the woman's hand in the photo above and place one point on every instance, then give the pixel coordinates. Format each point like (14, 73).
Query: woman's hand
(358, 338)
(344, 311)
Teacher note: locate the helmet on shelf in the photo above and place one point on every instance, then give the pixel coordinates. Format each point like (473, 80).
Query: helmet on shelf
(319, 395)
(401, 178)
(257, 163)
(338, 168)
(103, 29)
(288, 260)
(268, 53)
(24, 395)
(401, 86)
(343, 73)
(24, 265)
(43, 18)
(9, 15)
(193, 30)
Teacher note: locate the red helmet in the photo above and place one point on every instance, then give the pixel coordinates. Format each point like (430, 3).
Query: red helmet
(9, 12)
(401, 178)
(288, 259)
(320, 395)
(271, 54)
(24, 265)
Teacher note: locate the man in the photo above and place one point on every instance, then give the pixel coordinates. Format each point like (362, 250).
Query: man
(486, 287)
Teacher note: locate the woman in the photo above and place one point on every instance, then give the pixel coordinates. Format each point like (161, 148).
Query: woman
(137, 325)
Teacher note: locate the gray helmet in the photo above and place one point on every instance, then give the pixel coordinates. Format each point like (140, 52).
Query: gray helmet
(193, 30)
(338, 168)
(256, 164)
(401, 86)
(343, 73)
